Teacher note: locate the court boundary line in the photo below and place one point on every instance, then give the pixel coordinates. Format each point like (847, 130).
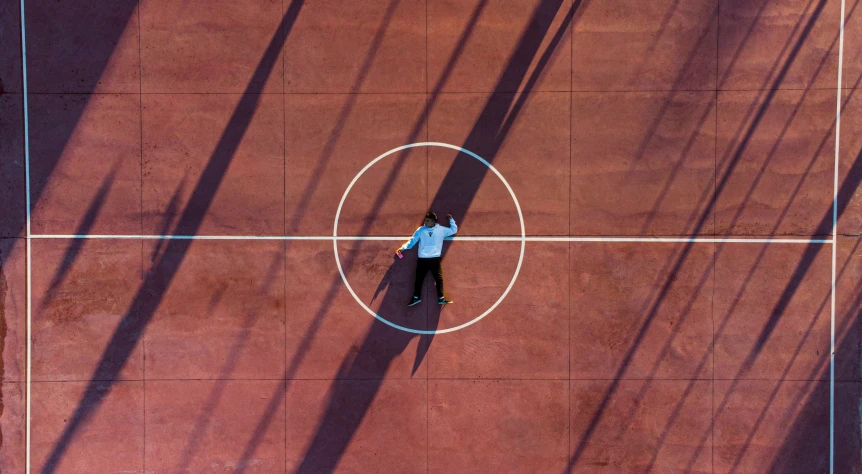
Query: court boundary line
(27, 235)
(835, 240)
(609, 239)
(478, 238)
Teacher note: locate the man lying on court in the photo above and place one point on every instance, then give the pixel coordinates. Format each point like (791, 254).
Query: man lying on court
(430, 237)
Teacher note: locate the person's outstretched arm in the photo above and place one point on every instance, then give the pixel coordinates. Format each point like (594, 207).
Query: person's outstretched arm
(453, 227)
(410, 243)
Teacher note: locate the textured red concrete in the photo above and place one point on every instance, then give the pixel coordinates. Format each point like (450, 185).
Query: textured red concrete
(77, 306)
(634, 45)
(116, 428)
(12, 354)
(10, 57)
(852, 66)
(13, 308)
(83, 47)
(847, 419)
(392, 432)
(182, 134)
(534, 159)
(526, 336)
(12, 183)
(81, 195)
(223, 315)
(209, 425)
(776, 154)
(763, 330)
(751, 424)
(13, 443)
(636, 425)
(492, 207)
(643, 118)
(658, 148)
(497, 425)
(760, 38)
(850, 162)
(329, 335)
(206, 47)
(848, 307)
(634, 315)
(332, 137)
(370, 46)
(475, 61)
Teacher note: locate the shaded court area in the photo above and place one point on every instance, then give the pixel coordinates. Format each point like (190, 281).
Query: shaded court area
(171, 301)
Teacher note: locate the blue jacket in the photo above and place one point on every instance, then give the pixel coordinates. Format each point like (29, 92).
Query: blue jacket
(430, 239)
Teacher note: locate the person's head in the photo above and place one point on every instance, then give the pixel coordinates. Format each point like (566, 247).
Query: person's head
(430, 219)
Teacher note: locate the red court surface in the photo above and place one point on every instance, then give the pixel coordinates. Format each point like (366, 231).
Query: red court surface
(172, 299)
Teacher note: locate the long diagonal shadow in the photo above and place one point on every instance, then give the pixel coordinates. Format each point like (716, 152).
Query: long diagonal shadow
(725, 320)
(350, 400)
(845, 193)
(308, 338)
(291, 227)
(677, 410)
(720, 186)
(84, 227)
(653, 303)
(782, 302)
(97, 35)
(728, 69)
(780, 306)
(795, 450)
(335, 285)
(812, 422)
(383, 343)
(231, 360)
(156, 282)
(713, 104)
(705, 196)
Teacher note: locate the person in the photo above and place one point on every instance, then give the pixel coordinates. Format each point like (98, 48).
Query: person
(430, 239)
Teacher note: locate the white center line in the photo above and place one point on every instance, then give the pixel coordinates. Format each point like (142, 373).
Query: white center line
(467, 238)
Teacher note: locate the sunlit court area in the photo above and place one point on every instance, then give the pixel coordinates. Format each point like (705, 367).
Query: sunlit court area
(430, 236)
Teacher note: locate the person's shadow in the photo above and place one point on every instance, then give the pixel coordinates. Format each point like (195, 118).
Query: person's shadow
(387, 278)
(398, 283)
(360, 378)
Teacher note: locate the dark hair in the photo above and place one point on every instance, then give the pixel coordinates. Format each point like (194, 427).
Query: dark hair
(431, 216)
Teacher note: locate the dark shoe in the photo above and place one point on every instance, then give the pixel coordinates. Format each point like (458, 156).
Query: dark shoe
(414, 301)
(444, 300)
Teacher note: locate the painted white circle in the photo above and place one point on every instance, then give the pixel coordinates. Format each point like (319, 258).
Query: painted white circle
(344, 277)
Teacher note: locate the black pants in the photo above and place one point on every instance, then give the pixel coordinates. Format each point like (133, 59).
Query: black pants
(423, 266)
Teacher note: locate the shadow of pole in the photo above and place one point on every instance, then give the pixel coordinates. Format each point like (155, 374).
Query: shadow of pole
(755, 265)
(845, 194)
(296, 361)
(760, 256)
(156, 282)
(290, 228)
(350, 399)
(83, 228)
(95, 35)
(395, 342)
(812, 421)
(733, 161)
(713, 104)
(231, 360)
